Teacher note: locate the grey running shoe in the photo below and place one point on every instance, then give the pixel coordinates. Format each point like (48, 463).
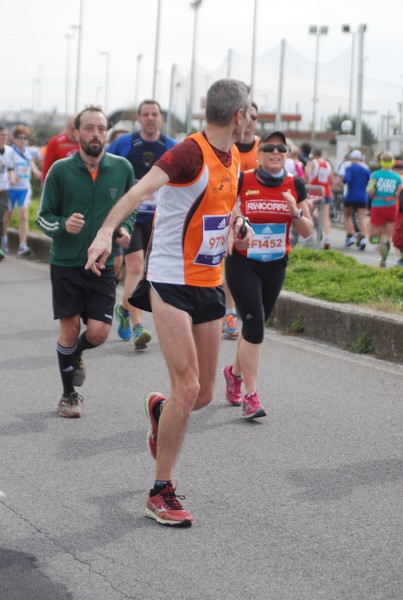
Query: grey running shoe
(70, 406)
(23, 250)
(79, 373)
(350, 240)
(4, 244)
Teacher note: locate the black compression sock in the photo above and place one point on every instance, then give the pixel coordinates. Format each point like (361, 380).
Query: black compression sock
(67, 363)
(83, 343)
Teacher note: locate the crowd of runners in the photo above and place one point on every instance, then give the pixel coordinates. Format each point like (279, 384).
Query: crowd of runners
(169, 219)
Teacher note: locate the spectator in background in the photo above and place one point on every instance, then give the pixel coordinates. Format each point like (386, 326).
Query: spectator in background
(355, 176)
(22, 158)
(60, 146)
(6, 177)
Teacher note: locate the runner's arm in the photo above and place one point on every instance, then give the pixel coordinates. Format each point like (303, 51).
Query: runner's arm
(101, 247)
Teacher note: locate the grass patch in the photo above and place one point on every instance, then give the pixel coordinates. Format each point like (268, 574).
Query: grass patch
(334, 277)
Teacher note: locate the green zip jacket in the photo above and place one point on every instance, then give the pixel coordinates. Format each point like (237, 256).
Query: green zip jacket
(69, 188)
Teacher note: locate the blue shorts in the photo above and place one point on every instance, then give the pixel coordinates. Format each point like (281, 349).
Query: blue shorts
(22, 197)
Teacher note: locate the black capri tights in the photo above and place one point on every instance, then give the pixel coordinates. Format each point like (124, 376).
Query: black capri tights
(255, 287)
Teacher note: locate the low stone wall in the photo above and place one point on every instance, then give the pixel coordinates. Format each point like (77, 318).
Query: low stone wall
(343, 325)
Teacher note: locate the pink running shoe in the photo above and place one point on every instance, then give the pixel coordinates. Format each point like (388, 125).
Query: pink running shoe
(251, 407)
(233, 387)
(152, 433)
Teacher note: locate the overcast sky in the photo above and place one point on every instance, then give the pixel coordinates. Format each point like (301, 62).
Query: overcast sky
(34, 43)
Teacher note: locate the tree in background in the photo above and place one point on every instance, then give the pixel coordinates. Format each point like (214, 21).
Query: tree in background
(334, 124)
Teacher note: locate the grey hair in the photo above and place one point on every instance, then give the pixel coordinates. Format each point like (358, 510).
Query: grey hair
(224, 98)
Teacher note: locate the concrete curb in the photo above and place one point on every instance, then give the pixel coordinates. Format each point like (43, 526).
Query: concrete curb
(342, 325)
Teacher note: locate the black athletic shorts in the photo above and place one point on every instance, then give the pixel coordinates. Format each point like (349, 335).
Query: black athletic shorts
(203, 304)
(76, 291)
(140, 237)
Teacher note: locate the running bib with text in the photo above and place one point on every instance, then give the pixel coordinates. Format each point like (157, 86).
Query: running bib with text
(269, 242)
(215, 237)
(149, 205)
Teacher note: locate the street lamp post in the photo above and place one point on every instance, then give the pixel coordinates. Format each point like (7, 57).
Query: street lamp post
(68, 37)
(106, 55)
(156, 52)
(252, 74)
(360, 83)
(195, 5)
(137, 84)
(347, 29)
(79, 27)
(38, 95)
(316, 30)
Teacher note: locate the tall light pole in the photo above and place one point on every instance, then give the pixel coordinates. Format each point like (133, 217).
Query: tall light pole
(79, 51)
(316, 30)
(156, 52)
(68, 37)
(106, 55)
(38, 96)
(280, 85)
(195, 5)
(347, 29)
(360, 83)
(252, 70)
(136, 90)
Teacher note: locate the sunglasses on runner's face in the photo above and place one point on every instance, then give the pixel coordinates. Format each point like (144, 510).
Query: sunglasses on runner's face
(253, 117)
(21, 137)
(272, 147)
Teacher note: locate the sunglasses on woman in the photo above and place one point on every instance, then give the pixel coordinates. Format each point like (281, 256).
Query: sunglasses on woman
(272, 147)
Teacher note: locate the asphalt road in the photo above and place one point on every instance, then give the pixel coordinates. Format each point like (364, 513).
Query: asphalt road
(305, 505)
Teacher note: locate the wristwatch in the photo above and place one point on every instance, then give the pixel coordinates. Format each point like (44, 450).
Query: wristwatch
(298, 215)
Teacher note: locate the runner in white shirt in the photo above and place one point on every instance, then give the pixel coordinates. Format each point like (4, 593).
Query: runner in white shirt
(20, 190)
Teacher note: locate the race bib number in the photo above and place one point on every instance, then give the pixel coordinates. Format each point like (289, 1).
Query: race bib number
(215, 238)
(323, 175)
(149, 205)
(269, 242)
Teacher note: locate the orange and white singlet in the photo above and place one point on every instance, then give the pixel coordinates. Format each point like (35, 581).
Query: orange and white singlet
(249, 158)
(191, 223)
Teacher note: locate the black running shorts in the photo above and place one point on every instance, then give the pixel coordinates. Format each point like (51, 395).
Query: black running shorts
(203, 304)
(140, 237)
(76, 291)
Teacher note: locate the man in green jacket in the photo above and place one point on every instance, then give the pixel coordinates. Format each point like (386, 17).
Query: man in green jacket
(77, 196)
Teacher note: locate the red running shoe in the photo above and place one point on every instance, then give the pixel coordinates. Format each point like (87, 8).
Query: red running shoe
(166, 508)
(152, 434)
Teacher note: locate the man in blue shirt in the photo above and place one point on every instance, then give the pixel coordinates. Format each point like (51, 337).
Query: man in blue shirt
(142, 148)
(356, 176)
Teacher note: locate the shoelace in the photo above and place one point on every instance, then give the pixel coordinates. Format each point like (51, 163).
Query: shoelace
(252, 400)
(74, 398)
(171, 498)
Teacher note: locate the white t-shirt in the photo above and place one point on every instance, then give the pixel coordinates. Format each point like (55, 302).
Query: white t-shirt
(22, 166)
(6, 163)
